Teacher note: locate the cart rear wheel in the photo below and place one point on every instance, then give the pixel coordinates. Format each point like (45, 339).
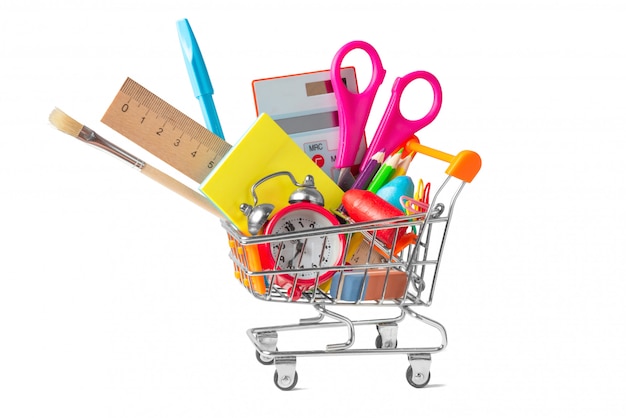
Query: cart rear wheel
(417, 380)
(379, 343)
(264, 360)
(285, 382)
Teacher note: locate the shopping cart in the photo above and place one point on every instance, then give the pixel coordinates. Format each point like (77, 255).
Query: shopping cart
(401, 275)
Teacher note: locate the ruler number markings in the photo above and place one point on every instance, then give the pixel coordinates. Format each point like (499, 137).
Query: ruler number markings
(165, 131)
(160, 130)
(126, 106)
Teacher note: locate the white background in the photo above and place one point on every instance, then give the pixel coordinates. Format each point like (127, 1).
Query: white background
(117, 298)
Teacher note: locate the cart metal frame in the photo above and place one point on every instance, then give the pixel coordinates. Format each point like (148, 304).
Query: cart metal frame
(420, 261)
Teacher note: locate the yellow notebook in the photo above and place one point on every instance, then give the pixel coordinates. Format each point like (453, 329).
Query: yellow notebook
(264, 149)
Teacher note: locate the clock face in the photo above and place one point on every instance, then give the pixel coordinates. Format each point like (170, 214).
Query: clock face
(310, 252)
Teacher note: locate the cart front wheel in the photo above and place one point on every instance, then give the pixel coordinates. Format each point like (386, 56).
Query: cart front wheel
(285, 382)
(417, 380)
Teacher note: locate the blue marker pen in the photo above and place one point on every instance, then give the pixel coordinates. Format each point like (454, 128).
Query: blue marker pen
(199, 76)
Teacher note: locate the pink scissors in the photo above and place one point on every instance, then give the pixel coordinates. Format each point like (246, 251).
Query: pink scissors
(354, 108)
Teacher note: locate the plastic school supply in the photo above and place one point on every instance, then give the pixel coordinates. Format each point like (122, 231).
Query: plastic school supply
(304, 105)
(354, 108)
(397, 187)
(199, 76)
(374, 284)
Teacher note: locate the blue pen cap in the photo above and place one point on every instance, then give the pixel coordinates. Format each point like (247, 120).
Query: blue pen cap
(198, 74)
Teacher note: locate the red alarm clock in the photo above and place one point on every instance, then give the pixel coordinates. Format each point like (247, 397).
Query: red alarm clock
(311, 251)
(302, 256)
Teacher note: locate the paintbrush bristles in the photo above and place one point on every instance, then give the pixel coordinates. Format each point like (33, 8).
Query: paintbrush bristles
(65, 123)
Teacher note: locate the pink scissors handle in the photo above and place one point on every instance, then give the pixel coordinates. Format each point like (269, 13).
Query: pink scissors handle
(394, 128)
(353, 108)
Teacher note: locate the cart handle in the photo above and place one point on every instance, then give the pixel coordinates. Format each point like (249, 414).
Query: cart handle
(464, 166)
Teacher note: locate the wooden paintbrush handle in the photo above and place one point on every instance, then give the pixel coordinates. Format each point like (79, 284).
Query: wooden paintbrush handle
(179, 188)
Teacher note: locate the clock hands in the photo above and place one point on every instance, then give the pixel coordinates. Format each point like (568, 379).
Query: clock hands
(299, 247)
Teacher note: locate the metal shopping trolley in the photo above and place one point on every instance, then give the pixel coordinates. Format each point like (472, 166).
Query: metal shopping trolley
(398, 272)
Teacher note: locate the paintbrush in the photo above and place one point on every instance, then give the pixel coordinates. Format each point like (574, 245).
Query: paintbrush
(66, 124)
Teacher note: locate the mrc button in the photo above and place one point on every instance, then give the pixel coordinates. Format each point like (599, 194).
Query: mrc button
(318, 151)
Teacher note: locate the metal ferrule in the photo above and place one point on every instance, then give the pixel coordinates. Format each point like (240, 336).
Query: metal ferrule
(91, 137)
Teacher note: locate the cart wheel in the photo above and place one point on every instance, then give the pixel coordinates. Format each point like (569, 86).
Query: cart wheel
(387, 335)
(379, 343)
(286, 382)
(264, 360)
(418, 380)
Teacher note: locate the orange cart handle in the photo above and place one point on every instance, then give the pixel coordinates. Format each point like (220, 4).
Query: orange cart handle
(464, 166)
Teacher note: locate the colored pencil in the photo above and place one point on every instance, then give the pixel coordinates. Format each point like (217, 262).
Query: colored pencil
(384, 173)
(367, 174)
(403, 166)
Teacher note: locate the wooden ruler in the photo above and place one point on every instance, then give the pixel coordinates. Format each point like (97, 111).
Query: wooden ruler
(164, 131)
